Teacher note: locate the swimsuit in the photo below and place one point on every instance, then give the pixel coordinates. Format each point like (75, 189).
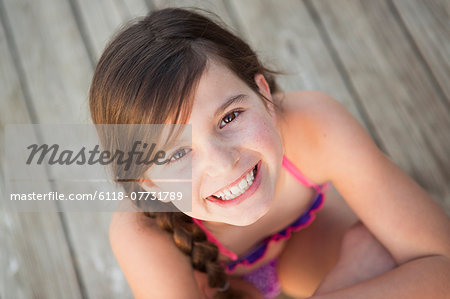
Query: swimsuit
(265, 278)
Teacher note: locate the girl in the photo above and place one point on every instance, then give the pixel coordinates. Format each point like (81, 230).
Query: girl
(250, 232)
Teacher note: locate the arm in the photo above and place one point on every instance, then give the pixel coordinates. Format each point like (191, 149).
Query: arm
(425, 277)
(401, 215)
(153, 266)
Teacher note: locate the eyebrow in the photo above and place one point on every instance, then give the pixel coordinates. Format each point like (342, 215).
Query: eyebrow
(229, 101)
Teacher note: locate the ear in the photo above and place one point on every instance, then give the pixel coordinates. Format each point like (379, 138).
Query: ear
(264, 89)
(263, 86)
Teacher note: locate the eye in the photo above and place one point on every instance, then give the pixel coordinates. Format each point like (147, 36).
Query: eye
(179, 154)
(229, 118)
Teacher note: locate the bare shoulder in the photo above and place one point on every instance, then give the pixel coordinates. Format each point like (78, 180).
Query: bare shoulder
(152, 264)
(306, 115)
(311, 253)
(304, 99)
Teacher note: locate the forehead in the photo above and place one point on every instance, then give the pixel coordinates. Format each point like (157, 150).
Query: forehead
(216, 84)
(219, 80)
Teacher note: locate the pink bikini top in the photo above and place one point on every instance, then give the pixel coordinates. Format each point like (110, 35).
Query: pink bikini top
(259, 251)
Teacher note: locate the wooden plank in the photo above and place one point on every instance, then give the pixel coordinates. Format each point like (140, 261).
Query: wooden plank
(57, 70)
(133, 8)
(284, 33)
(35, 257)
(216, 7)
(54, 59)
(428, 22)
(393, 85)
(101, 19)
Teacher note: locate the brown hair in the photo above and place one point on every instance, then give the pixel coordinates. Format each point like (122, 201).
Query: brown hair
(133, 84)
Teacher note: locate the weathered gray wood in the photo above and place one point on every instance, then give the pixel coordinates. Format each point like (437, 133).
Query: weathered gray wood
(133, 8)
(216, 7)
(284, 33)
(103, 18)
(387, 76)
(57, 71)
(54, 59)
(429, 25)
(393, 86)
(34, 255)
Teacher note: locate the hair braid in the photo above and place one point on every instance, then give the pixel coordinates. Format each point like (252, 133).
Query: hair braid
(192, 240)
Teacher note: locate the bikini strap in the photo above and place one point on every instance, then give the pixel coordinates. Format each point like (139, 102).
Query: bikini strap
(222, 249)
(296, 173)
(291, 168)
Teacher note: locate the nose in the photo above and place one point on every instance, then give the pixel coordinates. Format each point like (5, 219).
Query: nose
(217, 157)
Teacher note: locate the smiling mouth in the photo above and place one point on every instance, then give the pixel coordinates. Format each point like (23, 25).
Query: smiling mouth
(237, 188)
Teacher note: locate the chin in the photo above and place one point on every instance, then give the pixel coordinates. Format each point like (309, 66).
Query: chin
(247, 218)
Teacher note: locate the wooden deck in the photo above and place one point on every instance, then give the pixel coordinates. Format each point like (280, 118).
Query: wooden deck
(387, 61)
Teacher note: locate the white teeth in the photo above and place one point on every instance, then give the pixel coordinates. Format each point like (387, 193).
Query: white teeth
(243, 183)
(237, 189)
(249, 177)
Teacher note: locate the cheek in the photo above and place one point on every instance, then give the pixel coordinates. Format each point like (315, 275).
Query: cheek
(265, 135)
(197, 203)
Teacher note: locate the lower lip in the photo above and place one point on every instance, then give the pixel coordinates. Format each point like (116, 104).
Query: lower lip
(243, 196)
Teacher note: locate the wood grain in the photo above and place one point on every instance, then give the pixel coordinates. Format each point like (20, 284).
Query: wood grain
(428, 23)
(101, 19)
(387, 62)
(393, 85)
(57, 71)
(286, 37)
(35, 257)
(216, 7)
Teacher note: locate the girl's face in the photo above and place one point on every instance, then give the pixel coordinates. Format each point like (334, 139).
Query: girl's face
(236, 149)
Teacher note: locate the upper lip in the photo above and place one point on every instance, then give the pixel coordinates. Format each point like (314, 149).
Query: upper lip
(235, 181)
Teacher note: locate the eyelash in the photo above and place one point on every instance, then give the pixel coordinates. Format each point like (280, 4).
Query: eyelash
(181, 150)
(172, 158)
(231, 113)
